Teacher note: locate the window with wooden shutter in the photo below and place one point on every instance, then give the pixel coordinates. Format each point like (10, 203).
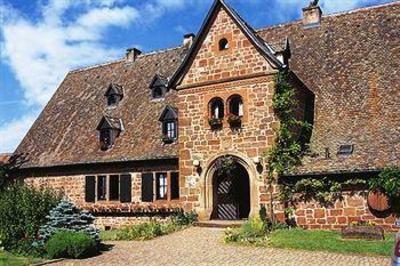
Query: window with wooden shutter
(102, 187)
(114, 187)
(126, 188)
(147, 187)
(161, 186)
(174, 185)
(90, 189)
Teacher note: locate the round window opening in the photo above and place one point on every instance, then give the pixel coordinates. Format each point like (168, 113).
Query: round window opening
(223, 44)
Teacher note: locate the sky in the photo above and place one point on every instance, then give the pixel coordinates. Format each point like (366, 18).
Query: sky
(41, 40)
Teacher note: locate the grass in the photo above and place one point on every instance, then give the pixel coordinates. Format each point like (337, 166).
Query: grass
(9, 259)
(329, 241)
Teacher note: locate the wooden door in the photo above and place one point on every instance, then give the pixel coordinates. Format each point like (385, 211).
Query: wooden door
(226, 198)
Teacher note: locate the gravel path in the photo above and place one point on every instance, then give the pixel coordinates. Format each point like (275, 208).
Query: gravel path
(203, 246)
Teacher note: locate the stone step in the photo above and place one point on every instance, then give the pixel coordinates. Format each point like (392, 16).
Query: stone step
(220, 223)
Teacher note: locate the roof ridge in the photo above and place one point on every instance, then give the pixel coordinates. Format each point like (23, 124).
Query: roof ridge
(116, 61)
(340, 13)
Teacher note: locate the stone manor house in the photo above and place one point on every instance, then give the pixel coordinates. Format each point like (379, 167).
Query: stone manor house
(142, 136)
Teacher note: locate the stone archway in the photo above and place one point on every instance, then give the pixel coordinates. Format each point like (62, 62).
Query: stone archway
(207, 203)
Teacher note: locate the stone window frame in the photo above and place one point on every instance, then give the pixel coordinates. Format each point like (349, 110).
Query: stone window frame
(169, 198)
(229, 38)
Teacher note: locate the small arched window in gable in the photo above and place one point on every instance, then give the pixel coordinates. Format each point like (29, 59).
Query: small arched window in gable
(169, 124)
(114, 94)
(110, 128)
(158, 87)
(223, 44)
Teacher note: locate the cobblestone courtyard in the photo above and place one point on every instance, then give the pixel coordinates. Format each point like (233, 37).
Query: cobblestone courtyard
(203, 246)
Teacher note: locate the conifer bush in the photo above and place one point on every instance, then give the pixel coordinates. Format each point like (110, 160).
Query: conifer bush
(67, 217)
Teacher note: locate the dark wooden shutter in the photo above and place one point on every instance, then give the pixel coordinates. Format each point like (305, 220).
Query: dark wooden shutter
(126, 188)
(90, 189)
(174, 185)
(147, 187)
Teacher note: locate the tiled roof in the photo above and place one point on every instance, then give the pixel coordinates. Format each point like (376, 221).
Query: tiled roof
(65, 132)
(351, 62)
(4, 157)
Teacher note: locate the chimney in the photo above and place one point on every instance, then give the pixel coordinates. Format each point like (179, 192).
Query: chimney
(188, 39)
(132, 54)
(312, 15)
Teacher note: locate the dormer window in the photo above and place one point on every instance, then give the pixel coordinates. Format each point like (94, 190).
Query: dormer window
(169, 123)
(110, 129)
(223, 44)
(158, 87)
(114, 94)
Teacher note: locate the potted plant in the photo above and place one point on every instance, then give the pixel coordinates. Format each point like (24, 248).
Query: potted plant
(363, 230)
(215, 123)
(235, 121)
(167, 140)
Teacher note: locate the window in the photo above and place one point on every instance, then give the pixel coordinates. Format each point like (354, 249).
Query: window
(112, 100)
(216, 107)
(114, 187)
(114, 94)
(158, 93)
(236, 105)
(170, 129)
(223, 44)
(169, 119)
(105, 139)
(108, 187)
(161, 185)
(109, 128)
(101, 187)
(158, 87)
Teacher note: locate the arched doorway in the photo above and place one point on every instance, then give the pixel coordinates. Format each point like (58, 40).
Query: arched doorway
(231, 193)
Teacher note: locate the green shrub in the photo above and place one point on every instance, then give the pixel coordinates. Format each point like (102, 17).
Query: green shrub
(69, 244)
(253, 231)
(23, 210)
(66, 216)
(184, 218)
(144, 231)
(388, 181)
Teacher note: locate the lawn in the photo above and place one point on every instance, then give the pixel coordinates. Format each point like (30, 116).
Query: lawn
(9, 259)
(329, 241)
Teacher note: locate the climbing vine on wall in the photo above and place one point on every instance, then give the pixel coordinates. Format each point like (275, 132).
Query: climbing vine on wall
(287, 151)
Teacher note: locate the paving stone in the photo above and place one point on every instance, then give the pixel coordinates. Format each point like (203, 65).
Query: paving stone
(204, 246)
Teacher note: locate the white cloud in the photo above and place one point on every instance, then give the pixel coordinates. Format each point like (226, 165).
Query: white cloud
(40, 51)
(13, 132)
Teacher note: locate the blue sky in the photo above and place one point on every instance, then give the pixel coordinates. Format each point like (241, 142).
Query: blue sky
(41, 40)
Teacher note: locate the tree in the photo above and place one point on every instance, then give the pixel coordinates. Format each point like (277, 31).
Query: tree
(67, 217)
